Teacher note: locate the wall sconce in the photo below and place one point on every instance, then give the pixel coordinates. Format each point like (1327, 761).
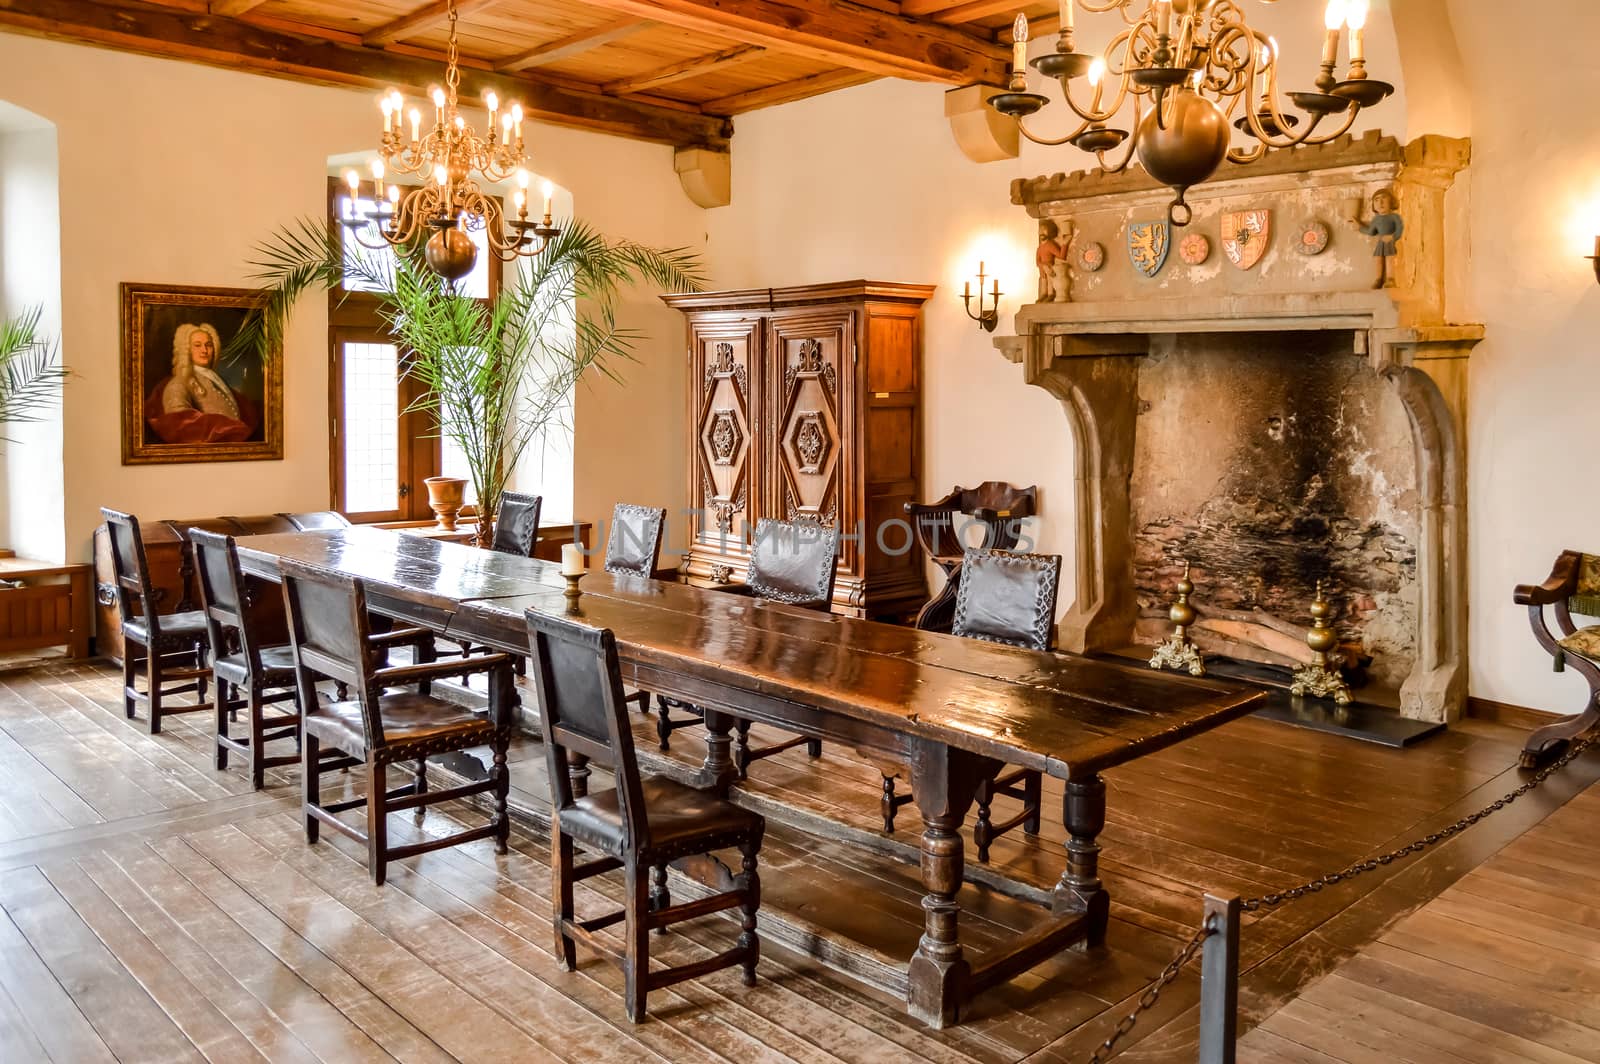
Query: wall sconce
(988, 319)
(1593, 259)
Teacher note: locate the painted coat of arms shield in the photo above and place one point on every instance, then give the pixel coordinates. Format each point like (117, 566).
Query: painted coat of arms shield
(1148, 244)
(1245, 235)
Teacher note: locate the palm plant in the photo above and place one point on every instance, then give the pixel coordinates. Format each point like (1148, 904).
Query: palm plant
(496, 377)
(30, 376)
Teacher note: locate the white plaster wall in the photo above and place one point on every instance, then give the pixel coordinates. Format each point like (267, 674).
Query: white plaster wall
(1535, 382)
(30, 276)
(171, 172)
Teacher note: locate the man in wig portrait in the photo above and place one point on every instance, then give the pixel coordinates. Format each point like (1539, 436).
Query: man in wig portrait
(195, 404)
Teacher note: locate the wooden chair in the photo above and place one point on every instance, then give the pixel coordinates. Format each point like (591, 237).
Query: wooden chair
(328, 628)
(999, 507)
(265, 675)
(640, 825)
(174, 645)
(1011, 599)
(790, 562)
(634, 549)
(1573, 586)
(516, 524)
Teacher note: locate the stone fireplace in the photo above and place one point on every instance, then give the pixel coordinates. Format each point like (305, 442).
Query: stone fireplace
(1273, 422)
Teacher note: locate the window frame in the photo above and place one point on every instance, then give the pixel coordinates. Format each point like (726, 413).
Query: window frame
(353, 317)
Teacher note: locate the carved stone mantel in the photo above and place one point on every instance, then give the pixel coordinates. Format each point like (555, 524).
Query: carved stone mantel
(1088, 354)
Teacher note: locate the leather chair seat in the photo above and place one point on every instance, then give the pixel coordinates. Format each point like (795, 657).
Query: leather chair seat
(408, 718)
(176, 628)
(277, 667)
(679, 816)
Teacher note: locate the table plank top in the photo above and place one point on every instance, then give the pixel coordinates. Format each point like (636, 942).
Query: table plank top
(1063, 714)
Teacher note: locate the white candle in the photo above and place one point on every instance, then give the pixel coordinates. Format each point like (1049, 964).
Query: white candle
(1356, 18)
(571, 560)
(1066, 14)
(1164, 17)
(1333, 19)
(1019, 47)
(493, 102)
(416, 125)
(549, 191)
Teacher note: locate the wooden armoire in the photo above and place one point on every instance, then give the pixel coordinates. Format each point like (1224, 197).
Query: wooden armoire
(804, 404)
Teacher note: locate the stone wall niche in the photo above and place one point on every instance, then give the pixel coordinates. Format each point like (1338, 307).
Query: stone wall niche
(1272, 424)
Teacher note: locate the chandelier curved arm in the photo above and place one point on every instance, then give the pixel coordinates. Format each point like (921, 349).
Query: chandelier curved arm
(1122, 71)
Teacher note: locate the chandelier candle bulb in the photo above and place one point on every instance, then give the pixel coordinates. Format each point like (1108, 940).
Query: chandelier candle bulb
(1019, 50)
(1333, 19)
(1164, 18)
(1066, 16)
(416, 125)
(1356, 18)
(549, 191)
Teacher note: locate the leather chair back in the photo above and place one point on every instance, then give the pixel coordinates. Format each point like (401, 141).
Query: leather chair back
(328, 629)
(222, 596)
(320, 519)
(1008, 598)
(634, 546)
(516, 525)
(577, 686)
(134, 596)
(793, 562)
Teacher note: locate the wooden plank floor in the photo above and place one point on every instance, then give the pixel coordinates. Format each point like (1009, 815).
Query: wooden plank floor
(1504, 965)
(153, 909)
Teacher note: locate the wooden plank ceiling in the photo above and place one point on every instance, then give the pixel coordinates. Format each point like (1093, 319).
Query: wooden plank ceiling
(663, 70)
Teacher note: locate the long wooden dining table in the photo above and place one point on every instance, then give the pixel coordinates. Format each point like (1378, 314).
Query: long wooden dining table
(952, 711)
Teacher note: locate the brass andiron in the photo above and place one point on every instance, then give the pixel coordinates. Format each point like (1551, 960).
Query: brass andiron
(1319, 679)
(573, 592)
(1179, 651)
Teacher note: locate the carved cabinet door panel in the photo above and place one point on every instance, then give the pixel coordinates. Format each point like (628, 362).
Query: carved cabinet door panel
(810, 370)
(725, 397)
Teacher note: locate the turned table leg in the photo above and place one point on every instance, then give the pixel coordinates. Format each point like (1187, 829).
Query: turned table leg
(943, 782)
(1080, 889)
(718, 772)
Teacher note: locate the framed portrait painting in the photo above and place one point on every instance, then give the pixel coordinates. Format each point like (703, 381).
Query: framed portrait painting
(181, 401)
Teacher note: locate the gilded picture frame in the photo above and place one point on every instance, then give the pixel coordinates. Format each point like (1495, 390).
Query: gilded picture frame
(180, 401)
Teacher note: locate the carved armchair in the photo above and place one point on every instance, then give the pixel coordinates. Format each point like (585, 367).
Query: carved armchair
(1573, 586)
(998, 506)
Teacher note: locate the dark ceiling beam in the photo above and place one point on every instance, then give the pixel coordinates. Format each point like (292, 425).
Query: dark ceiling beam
(420, 20)
(576, 44)
(838, 32)
(682, 71)
(239, 45)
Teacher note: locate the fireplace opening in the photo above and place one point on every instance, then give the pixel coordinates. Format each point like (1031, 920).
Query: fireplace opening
(1268, 462)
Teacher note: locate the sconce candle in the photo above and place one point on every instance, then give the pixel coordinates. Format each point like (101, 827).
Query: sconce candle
(988, 318)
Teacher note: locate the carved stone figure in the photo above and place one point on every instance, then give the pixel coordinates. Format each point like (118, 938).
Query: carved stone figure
(1051, 258)
(1386, 227)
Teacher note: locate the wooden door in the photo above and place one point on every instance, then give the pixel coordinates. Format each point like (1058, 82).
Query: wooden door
(810, 367)
(725, 396)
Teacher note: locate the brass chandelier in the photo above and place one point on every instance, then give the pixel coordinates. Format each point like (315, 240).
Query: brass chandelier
(449, 201)
(1189, 68)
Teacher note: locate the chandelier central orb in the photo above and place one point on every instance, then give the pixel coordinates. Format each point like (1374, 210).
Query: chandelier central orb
(1181, 71)
(448, 201)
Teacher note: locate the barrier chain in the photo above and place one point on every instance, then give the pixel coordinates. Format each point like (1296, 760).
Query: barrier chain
(1152, 993)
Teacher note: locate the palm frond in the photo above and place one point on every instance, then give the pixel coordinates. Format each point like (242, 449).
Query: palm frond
(494, 379)
(30, 371)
